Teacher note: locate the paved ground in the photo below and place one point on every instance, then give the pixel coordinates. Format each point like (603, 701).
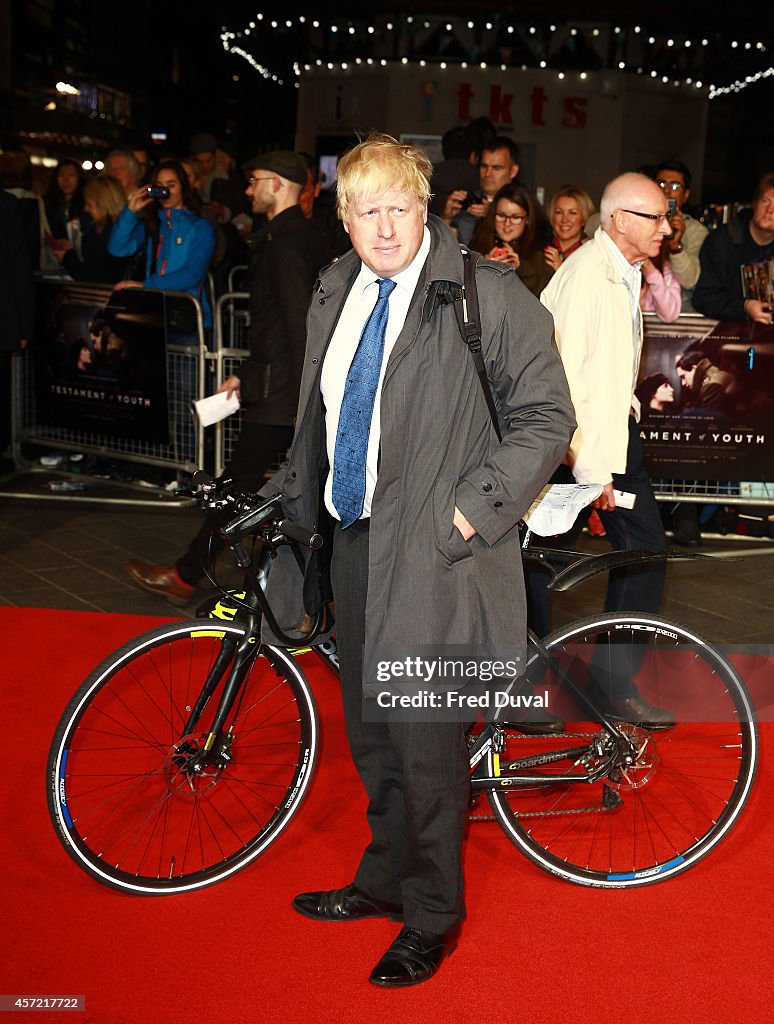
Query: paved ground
(71, 554)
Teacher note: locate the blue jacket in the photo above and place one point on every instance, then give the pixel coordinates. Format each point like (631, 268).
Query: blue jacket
(185, 246)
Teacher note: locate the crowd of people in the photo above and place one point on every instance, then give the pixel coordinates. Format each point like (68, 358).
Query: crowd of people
(499, 216)
(109, 229)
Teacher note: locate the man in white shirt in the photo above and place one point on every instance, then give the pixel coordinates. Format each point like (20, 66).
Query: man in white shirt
(594, 299)
(418, 545)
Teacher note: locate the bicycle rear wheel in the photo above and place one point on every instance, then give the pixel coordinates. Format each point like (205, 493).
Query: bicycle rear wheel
(650, 821)
(124, 809)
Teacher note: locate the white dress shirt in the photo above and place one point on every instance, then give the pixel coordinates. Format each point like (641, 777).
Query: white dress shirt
(632, 278)
(358, 306)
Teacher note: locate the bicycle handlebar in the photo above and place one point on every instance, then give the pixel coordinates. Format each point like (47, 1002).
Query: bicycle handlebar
(299, 534)
(221, 498)
(254, 513)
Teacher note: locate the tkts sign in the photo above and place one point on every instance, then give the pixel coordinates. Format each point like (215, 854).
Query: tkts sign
(500, 106)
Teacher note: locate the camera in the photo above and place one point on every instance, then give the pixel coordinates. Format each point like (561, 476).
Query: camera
(157, 192)
(672, 208)
(471, 198)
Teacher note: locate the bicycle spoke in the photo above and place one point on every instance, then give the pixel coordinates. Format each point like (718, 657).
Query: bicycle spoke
(142, 806)
(681, 789)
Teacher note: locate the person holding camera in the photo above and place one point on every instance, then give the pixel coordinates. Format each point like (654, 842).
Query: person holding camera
(508, 234)
(178, 242)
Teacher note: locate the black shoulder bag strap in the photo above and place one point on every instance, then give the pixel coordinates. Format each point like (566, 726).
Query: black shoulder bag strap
(469, 320)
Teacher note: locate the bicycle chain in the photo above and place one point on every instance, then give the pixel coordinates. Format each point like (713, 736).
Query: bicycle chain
(543, 814)
(554, 736)
(539, 814)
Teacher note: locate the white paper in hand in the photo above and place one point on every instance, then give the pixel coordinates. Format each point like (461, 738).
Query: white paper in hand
(557, 506)
(216, 407)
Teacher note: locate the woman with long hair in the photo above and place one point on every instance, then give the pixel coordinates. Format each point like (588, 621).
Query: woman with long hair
(178, 242)
(64, 199)
(507, 234)
(568, 210)
(103, 202)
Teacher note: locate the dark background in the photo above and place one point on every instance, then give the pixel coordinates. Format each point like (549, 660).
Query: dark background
(162, 67)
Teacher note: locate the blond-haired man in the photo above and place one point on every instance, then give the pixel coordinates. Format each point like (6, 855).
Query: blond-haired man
(420, 500)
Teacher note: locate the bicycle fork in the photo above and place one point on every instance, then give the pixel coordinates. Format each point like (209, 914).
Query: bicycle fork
(193, 757)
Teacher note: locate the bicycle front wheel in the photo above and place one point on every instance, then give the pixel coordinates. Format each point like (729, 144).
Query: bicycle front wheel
(652, 819)
(123, 805)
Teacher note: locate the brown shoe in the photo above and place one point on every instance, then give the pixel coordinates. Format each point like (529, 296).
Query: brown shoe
(163, 580)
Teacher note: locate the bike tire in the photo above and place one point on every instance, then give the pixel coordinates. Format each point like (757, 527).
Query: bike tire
(121, 806)
(689, 784)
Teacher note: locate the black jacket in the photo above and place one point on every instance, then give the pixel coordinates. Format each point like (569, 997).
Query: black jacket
(98, 265)
(17, 300)
(718, 291)
(289, 252)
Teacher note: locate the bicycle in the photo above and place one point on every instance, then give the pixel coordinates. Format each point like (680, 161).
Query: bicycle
(155, 787)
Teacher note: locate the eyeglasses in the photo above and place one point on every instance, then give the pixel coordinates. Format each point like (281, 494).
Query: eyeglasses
(268, 177)
(650, 216)
(670, 186)
(511, 218)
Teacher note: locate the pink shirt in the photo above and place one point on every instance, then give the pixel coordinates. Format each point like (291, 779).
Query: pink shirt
(661, 293)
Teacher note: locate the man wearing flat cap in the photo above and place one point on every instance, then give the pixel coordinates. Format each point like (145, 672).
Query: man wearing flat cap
(288, 252)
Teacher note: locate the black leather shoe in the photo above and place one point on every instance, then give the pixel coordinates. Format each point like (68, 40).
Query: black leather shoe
(637, 711)
(537, 723)
(347, 904)
(413, 957)
(687, 534)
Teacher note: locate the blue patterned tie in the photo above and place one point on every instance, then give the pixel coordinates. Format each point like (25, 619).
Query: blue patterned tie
(357, 407)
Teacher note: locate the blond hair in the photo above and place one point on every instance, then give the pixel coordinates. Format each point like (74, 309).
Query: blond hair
(581, 197)
(107, 194)
(378, 164)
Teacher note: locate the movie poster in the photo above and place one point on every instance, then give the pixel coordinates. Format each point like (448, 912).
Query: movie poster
(706, 390)
(100, 361)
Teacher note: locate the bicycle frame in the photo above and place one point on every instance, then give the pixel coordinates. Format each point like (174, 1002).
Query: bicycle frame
(582, 567)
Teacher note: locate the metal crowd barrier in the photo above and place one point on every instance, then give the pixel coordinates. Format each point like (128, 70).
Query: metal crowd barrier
(237, 277)
(715, 492)
(232, 322)
(187, 370)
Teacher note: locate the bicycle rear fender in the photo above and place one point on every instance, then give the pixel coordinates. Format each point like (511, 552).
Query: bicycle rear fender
(592, 565)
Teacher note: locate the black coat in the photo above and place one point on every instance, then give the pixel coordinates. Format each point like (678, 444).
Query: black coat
(288, 255)
(718, 292)
(17, 297)
(98, 265)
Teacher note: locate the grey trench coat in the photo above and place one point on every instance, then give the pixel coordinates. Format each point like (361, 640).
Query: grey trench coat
(438, 448)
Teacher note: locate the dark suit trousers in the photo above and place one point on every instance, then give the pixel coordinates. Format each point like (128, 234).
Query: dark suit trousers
(415, 773)
(632, 588)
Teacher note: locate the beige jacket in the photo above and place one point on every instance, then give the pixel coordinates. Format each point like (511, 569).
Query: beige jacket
(592, 314)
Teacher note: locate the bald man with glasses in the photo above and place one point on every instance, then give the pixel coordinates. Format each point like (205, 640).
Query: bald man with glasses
(594, 299)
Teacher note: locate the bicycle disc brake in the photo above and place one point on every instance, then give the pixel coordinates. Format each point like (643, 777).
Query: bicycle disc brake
(190, 770)
(645, 760)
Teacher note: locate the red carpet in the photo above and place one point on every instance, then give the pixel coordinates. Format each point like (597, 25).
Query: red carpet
(534, 949)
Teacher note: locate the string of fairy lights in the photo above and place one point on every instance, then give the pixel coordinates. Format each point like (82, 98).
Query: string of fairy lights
(441, 42)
